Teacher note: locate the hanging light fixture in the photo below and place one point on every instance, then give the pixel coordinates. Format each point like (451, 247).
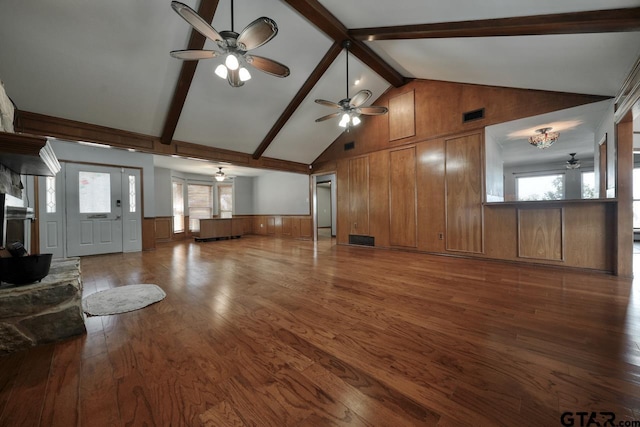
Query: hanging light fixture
(350, 109)
(544, 138)
(220, 176)
(573, 163)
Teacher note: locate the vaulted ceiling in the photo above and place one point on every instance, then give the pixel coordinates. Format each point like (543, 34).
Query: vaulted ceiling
(108, 63)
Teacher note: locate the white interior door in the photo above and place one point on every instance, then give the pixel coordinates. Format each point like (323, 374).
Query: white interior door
(94, 209)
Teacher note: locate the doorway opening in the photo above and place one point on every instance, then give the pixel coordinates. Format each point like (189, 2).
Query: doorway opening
(324, 195)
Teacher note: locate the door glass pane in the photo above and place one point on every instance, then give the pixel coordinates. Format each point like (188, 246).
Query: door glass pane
(51, 194)
(132, 193)
(95, 192)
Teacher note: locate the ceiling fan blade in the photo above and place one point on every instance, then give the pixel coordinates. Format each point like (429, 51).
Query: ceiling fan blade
(328, 116)
(233, 77)
(193, 55)
(195, 20)
(360, 98)
(372, 111)
(268, 66)
(257, 33)
(328, 103)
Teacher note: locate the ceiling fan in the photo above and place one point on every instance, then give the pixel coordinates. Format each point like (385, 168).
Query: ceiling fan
(350, 108)
(233, 46)
(573, 163)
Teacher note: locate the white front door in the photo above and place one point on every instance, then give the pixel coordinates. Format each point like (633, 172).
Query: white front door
(103, 206)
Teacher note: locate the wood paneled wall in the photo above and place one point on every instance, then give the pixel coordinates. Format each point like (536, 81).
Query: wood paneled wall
(359, 196)
(438, 110)
(415, 180)
(464, 193)
(402, 198)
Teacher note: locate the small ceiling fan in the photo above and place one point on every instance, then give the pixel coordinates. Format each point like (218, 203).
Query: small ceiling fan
(233, 46)
(350, 108)
(573, 163)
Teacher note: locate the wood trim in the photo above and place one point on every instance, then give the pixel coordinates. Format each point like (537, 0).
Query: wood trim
(196, 41)
(595, 21)
(308, 85)
(71, 130)
(325, 21)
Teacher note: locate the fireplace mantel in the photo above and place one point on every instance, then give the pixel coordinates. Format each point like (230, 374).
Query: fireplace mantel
(27, 154)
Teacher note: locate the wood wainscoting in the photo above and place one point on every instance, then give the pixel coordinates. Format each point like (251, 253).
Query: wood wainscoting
(293, 226)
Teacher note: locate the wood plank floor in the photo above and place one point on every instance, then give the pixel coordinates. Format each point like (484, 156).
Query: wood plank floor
(269, 332)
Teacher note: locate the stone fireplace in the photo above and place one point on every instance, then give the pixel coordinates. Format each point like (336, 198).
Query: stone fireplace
(43, 312)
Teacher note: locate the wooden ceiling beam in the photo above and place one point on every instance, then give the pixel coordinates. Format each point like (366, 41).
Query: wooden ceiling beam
(308, 85)
(596, 21)
(206, 10)
(319, 16)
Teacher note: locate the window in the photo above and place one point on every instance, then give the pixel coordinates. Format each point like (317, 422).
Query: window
(51, 194)
(200, 201)
(636, 198)
(95, 192)
(589, 185)
(178, 207)
(541, 187)
(225, 199)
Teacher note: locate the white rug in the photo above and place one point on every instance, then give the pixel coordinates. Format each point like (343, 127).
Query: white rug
(122, 299)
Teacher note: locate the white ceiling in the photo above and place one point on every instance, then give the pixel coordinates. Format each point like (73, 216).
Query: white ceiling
(108, 63)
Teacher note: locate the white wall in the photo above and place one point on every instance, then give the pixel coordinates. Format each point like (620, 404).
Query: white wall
(163, 192)
(74, 152)
(281, 193)
(324, 206)
(243, 195)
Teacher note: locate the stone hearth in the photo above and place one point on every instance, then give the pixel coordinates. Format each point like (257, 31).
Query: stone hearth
(43, 312)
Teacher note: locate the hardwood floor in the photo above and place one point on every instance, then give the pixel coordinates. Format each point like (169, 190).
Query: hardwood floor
(279, 332)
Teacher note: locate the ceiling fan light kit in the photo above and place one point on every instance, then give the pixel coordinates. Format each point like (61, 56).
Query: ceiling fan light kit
(233, 47)
(219, 176)
(350, 108)
(573, 163)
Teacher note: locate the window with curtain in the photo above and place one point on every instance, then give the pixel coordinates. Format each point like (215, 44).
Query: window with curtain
(200, 202)
(178, 207)
(225, 198)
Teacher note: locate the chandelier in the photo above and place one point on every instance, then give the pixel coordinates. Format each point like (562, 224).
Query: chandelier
(544, 138)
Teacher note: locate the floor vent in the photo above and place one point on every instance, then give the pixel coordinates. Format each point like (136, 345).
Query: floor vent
(355, 239)
(470, 116)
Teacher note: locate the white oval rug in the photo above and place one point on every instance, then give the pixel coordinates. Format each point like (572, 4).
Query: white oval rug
(122, 299)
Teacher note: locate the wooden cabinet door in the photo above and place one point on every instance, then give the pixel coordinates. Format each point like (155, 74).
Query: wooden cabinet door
(359, 195)
(463, 163)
